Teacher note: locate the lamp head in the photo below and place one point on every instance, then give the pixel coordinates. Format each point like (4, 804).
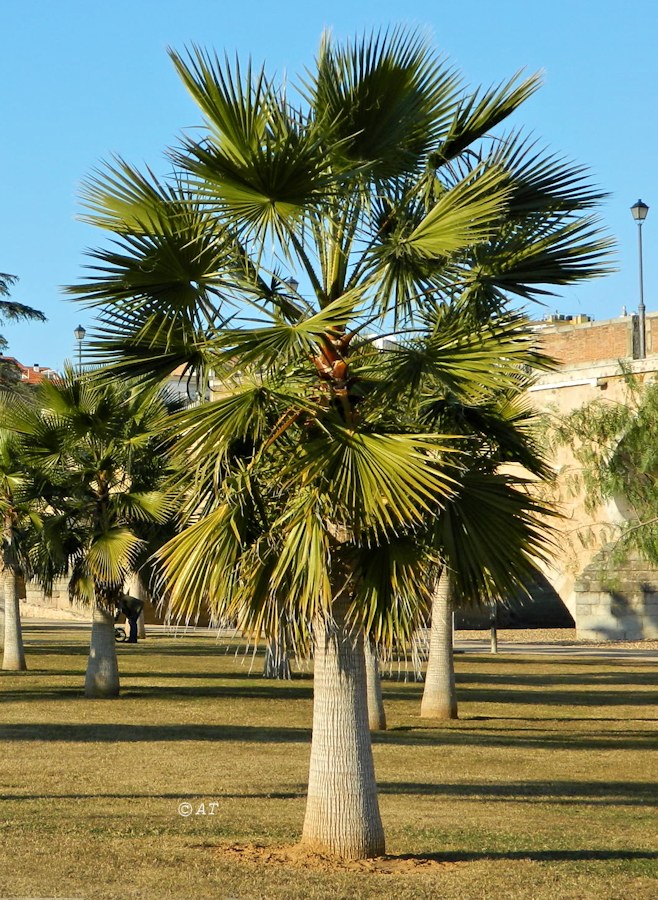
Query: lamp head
(639, 211)
(80, 333)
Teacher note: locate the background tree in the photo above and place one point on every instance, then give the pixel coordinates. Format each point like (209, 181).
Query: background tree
(11, 310)
(376, 187)
(615, 445)
(498, 435)
(98, 445)
(15, 509)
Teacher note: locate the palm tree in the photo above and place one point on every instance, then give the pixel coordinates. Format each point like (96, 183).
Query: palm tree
(14, 512)
(474, 570)
(100, 446)
(292, 233)
(490, 537)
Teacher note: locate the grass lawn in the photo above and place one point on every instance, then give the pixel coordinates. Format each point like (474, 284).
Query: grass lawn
(545, 788)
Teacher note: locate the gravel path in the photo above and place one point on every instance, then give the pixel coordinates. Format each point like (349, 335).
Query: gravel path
(550, 636)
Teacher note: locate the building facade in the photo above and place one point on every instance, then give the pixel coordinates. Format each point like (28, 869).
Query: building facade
(607, 600)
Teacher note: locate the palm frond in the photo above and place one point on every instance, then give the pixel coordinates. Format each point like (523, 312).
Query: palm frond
(480, 112)
(376, 483)
(526, 260)
(260, 164)
(467, 214)
(384, 98)
(492, 535)
(111, 554)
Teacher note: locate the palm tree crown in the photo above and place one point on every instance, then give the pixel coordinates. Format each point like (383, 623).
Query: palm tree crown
(93, 453)
(381, 190)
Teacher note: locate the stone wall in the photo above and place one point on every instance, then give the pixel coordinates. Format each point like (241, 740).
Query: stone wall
(617, 599)
(36, 604)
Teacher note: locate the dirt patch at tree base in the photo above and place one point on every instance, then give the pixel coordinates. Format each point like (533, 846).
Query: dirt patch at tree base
(300, 857)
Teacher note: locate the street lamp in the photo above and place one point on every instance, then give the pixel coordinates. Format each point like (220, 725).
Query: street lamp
(640, 211)
(80, 333)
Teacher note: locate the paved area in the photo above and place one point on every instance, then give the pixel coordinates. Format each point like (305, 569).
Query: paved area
(558, 649)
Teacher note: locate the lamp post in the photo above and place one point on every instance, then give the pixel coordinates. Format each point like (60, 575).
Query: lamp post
(639, 211)
(80, 333)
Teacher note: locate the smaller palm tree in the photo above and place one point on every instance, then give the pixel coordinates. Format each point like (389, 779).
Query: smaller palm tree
(493, 532)
(14, 511)
(98, 444)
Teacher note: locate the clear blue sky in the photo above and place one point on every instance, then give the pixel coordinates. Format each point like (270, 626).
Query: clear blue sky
(80, 81)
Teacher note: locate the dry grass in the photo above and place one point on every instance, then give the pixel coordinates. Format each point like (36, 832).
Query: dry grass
(545, 788)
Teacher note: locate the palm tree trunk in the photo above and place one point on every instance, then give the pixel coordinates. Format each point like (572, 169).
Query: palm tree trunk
(14, 654)
(102, 677)
(141, 626)
(342, 810)
(440, 694)
(494, 627)
(277, 661)
(2, 609)
(376, 712)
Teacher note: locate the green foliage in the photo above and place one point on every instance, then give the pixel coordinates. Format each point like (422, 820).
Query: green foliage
(11, 310)
(95, 456)
(322, 465)
(616, 447)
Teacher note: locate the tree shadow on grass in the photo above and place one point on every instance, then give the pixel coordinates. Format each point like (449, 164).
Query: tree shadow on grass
(588, 855)
(257, 690)
(181, 795)
(559, 661)
(34, 651)
(81, 648)
(157, 675)
(542, 680)
(542, 737)
(585, 793)
(254, 691)
(123, 733)
(568, 793)
(538, 695)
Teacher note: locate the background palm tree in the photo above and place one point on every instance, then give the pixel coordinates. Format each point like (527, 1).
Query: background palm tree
(492, 533)
(15, 508)
(294, 231)
(101, 448)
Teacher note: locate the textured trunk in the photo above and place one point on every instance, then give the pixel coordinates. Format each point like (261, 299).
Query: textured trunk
(277, 661)
(141, 626)
(494, 629)
(14, 655)
(440, 694)
(2, 609)
(342, 811)
(102, 678)
(376, 712)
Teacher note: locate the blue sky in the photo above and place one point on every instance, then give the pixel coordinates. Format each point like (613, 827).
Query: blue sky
(81, 81)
